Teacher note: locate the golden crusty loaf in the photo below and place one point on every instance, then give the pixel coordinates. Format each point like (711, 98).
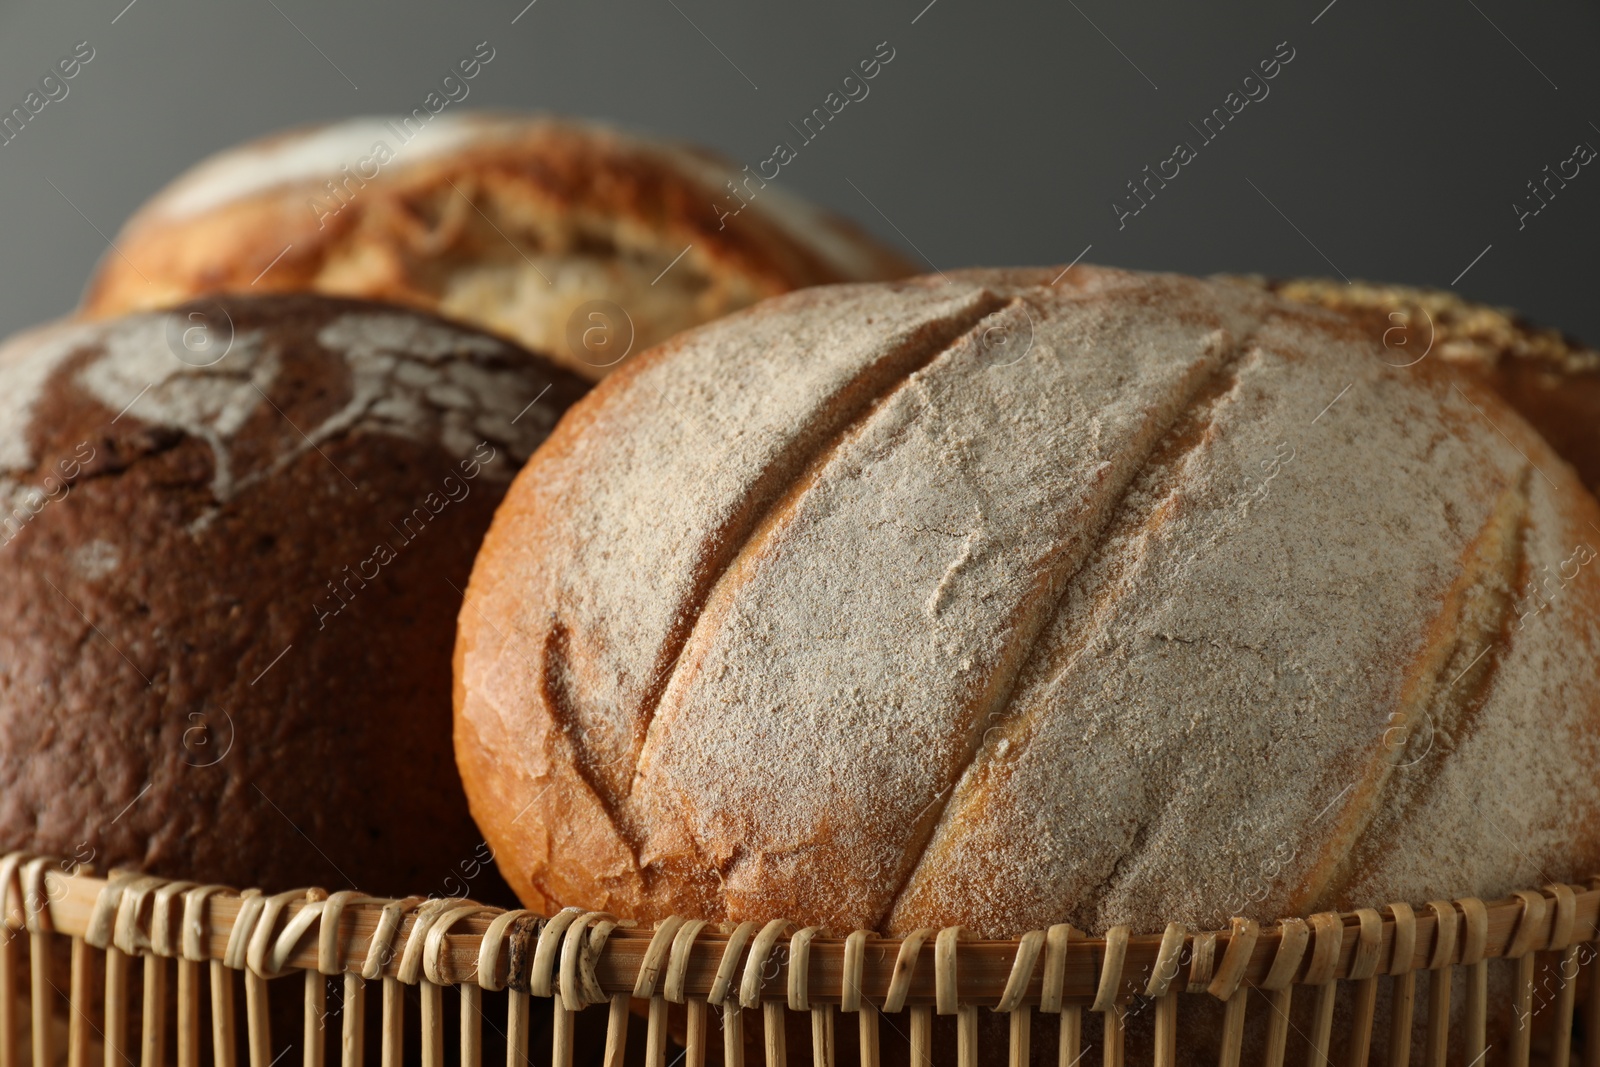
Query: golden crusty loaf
(232, 539)
(988, 601)
(1551, 379)
(513, 223)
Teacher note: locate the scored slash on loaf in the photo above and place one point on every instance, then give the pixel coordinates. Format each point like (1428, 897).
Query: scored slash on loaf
(935, 633)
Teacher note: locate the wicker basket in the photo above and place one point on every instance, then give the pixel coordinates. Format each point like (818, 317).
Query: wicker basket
(529, 965)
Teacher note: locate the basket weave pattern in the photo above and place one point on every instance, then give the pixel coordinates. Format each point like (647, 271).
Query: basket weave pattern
(576, 959)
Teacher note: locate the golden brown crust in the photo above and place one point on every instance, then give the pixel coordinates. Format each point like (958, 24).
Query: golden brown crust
(479, 218)
(992, 602)
(1547, 377)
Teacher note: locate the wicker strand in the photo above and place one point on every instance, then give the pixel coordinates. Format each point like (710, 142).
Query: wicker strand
(1114, 1018)
(644, 988)
(394, 1022)
(458, 943)
(760, 949)
(870, 1049)
(921, 1035)
(1169, 960)
(1363, 973)
(677, 970)
(510, 926)
(1226, 986)
(78, 1005)
(353, 1033)
(722, 983)
(314, 996)
(8, 958)
(164, 933)
(471, 1024)
(153, 1023)
(1440, 963)
(1057, 940)
(223, 1028)
(800, 996)
(1203, 961)
(1563, 942)
(616, 1051)
(1591, 1008)
(258, 1021)
(1241, 943)
(577, 986)
(1328, 939)
(189, 973)
(822, 1053)
(1116, 954)
(1472, 958)
(1404, 993)
(946, 984)
(116, 1008)
(1521, 948)
(1293, 936)
(36, 917)
(905, 964)
(432, 1022)
(850, 998)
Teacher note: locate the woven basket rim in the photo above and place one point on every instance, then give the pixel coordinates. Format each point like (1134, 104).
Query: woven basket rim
(585, 957)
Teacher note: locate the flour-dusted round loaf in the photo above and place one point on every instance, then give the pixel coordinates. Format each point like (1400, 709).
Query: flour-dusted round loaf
(1551, 379)
(998, 600)
(574, 238)
(233, 540)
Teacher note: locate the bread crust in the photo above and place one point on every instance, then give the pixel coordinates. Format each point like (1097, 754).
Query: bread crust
(1549, 378)
(856, 609)
(510, 222)
(207, 669)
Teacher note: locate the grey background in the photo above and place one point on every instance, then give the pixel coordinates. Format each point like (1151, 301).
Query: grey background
(1391, 148)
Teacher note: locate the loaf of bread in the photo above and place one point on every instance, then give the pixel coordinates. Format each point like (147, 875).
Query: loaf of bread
(1549, 378)
(578, 240)
(999, 600)
(234, 536)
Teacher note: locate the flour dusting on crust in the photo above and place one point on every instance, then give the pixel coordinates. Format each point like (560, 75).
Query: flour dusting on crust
(1115, 632)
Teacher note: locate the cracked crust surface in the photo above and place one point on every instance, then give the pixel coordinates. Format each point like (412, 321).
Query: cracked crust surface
(996, 603)
(510, 222)
(207, 667)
